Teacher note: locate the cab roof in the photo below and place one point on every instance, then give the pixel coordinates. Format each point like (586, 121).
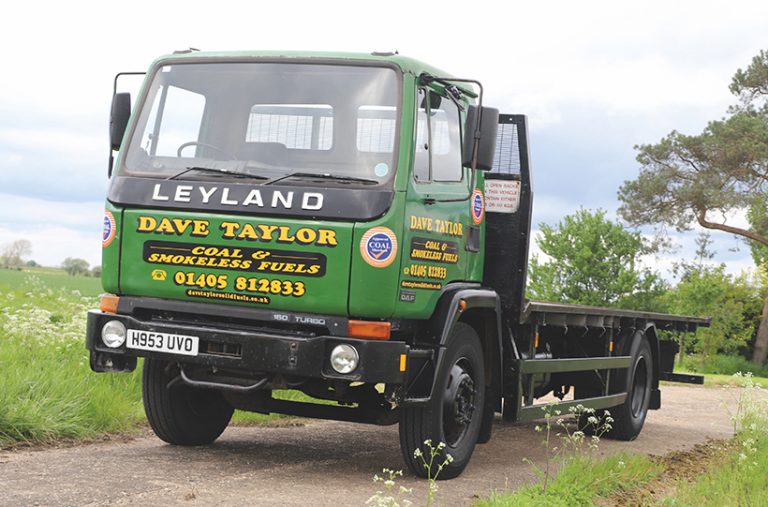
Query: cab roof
(406, 64)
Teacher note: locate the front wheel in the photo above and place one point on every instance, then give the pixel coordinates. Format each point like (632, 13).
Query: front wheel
(453, 415)
(181, 415)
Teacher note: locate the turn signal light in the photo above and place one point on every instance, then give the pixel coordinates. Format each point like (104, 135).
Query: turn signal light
(109, 303)
(369, 330)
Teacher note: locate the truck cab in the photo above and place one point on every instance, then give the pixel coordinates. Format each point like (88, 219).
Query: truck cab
(323, 223)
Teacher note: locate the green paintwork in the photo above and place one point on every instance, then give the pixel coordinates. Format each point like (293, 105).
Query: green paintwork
(325, 294)
(534, 412)
(351, 286)
(574, 364)
(110, 254)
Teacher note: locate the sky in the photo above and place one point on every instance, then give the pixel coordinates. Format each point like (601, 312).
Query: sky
(595, 79)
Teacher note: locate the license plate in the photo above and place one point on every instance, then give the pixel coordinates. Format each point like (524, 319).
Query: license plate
(162, 342)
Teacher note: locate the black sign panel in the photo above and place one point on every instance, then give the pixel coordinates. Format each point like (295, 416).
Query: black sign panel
(235, 258)
(327, 202)
(434, 250)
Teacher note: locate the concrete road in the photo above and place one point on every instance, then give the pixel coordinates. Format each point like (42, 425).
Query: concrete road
(320, 464)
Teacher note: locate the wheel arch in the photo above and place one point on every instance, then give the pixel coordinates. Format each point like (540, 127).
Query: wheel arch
(480, 309)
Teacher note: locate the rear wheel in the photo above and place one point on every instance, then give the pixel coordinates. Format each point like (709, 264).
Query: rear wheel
(636, 381)
(181, 415)
(454, 413)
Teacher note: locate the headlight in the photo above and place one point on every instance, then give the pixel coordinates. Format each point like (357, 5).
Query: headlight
(344, 358)
(113, 334)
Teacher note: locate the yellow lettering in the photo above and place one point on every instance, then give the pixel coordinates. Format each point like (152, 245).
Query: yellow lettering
(305, 235)
(146, 224)
(229, 229)
(248, 232)
(267, 231)
(326, 237)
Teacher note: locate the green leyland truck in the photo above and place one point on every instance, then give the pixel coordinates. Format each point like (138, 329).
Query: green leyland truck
(354, 227)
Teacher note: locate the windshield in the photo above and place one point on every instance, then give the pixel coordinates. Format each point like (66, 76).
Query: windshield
(268, 121)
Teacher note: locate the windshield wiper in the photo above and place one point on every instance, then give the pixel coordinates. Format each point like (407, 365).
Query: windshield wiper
(324, 176)
(217, 170)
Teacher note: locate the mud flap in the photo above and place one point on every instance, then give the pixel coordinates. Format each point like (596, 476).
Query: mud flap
(655, 401)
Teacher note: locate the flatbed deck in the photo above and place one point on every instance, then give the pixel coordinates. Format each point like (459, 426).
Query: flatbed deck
(561, 314)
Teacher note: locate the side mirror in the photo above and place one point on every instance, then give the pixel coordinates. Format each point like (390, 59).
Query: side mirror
(488, 118)
(118, 119)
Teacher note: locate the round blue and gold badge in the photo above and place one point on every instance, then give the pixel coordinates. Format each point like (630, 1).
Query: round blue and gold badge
(477, 206)
(110, 228)
(378, 246)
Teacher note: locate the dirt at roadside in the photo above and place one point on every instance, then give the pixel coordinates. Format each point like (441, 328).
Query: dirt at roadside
(320, 464)
(684, 465)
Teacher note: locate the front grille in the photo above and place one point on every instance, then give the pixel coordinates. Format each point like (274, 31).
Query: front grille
(222, 349)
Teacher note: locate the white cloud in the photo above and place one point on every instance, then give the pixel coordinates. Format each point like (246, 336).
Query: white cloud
(644, 68)
(56, 229)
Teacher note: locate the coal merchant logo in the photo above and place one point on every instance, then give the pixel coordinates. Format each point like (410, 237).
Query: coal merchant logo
(478, 206)
(378, 247)
(109, 229)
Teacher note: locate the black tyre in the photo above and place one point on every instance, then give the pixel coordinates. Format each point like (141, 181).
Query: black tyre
(181, 415)
(455, 412)
(636, 381)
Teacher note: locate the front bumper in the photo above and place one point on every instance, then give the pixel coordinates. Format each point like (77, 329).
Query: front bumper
(253, 352)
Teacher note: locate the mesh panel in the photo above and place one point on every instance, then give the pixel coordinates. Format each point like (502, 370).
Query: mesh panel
(507, 158)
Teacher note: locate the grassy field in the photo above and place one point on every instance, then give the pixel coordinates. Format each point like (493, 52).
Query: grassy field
(47, 389)
(52, 278)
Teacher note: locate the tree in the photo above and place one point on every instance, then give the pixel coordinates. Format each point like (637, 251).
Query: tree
(74, 266)
(709, 177)
(733, 302)
(593, 261)
(96, 271)
(13, 253)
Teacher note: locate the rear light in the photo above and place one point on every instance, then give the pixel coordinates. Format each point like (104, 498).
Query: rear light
(369, 330)
(109, 303)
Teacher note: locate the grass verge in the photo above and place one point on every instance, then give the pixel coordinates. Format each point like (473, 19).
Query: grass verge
(48, 392)
(581, 482)
(739, 478)
(713, 474)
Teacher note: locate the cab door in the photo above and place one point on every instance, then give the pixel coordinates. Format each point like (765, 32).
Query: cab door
(441, 239)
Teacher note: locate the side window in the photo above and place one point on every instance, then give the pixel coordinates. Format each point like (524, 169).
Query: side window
(180, 122)
(446, 142)
(438, 139)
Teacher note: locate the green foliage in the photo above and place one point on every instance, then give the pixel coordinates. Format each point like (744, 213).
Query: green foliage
(757, 215)
(709, 177)
(47, 390)
(75, 267)
(740, 480)
(12, 254)
(581, 482)
(593, 261)
(733, 302)
(722, 365)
